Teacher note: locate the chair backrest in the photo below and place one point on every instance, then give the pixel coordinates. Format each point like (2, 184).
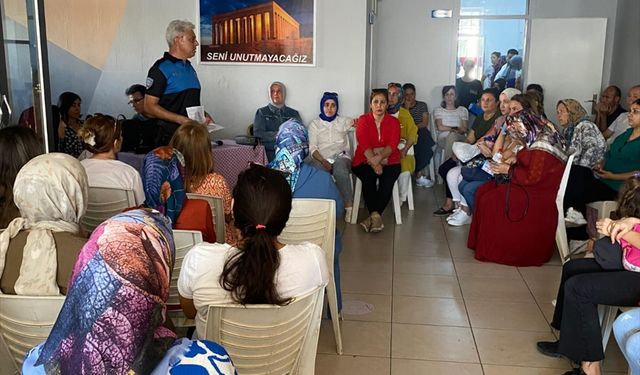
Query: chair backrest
(269, 339)
(184, 240)
(561, 233)
(103, 204)
(312, 220)
(26, 321)
(217, 211)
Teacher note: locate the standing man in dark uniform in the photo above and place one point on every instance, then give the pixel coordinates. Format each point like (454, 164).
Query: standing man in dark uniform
(172, 83)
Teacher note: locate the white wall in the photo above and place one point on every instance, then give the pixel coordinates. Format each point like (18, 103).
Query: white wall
(579, 9)
(232, 93)
(625, 67)
(410, 46)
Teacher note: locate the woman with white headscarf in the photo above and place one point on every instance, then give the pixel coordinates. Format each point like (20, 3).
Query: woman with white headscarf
(269, 118)
(51, 192)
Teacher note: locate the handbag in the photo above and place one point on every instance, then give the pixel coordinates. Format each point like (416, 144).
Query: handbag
(507, 180)
(608, 255)
(474, 174)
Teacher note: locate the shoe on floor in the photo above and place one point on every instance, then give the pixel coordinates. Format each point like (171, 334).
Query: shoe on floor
(455, 213)
(442, 212)
(461, 219)
(550, 349)
(574, 217)
(424, 182)
(366, 224)
(376, 223)
(347, 214)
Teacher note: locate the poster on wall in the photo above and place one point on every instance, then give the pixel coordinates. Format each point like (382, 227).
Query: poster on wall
(278, 32)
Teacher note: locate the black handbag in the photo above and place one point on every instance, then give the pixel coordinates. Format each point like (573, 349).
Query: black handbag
(608, 255)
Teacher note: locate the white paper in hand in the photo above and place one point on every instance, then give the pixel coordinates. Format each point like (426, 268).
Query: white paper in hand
(196, 113)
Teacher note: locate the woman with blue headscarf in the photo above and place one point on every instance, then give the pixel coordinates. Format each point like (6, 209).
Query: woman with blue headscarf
(329, 146)
(292, 147)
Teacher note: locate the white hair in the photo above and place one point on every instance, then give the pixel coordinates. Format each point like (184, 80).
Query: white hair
(177, 28)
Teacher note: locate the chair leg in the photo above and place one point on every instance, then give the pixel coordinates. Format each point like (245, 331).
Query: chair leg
(335, 314)
(357, 192)
(396, 203)
(608, 317)
(410, 196)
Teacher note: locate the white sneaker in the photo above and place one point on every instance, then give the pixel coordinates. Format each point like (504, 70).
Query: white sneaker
(574, 217)
(460, 220)
(422, 181)
(455, 213)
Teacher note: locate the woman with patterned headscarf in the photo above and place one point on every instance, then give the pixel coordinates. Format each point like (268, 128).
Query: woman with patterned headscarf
(512, 223)
(292, 147)
(583, 136)
(163, 182)
(112, 319)
(38, 249)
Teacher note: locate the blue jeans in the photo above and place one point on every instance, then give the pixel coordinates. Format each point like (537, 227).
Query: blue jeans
(627, 331)
(468, 191)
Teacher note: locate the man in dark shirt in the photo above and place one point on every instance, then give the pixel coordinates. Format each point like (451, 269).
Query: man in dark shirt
(468, 88)
(135, 94)
(608, 108)
(172, 83)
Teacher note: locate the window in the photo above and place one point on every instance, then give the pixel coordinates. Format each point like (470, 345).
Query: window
(492, 27)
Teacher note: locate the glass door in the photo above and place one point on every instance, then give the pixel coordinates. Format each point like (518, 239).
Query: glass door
(25, 99)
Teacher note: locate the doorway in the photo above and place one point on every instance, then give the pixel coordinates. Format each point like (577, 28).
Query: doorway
(25, 97)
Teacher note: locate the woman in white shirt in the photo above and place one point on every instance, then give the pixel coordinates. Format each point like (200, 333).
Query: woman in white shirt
(261, 269)
(329, 146)
(451, 121)
(102, 136)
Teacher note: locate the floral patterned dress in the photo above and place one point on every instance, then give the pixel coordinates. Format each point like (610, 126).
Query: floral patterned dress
(216, 186)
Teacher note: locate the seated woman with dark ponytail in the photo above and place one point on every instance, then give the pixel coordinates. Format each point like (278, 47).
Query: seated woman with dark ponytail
(261, 269)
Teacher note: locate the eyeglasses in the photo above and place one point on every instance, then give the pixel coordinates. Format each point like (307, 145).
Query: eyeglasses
(135, 101)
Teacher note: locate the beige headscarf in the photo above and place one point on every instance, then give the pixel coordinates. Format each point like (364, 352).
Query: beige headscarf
(51, 192)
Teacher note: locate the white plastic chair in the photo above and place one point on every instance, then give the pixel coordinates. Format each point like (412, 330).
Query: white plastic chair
(438, 153)
(103, 204)
(26, 321)
(357, 193)
(184, 240)
(269, 339)
(604, 209)
(561, 232)
(217, 211)
(314, 220)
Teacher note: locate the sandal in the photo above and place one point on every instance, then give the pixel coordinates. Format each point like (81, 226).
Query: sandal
(366, 224)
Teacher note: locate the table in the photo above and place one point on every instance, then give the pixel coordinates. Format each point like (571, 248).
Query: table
(229, 159)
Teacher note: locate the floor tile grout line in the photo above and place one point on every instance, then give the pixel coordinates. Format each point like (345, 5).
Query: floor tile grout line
(464, 302)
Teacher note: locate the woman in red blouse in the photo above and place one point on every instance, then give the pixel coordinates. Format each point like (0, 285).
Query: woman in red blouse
(377, 160)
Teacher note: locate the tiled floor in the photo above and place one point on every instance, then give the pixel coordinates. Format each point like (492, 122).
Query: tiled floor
(416, 302)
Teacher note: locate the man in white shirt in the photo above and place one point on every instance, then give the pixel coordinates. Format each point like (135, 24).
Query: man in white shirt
(621, 124)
